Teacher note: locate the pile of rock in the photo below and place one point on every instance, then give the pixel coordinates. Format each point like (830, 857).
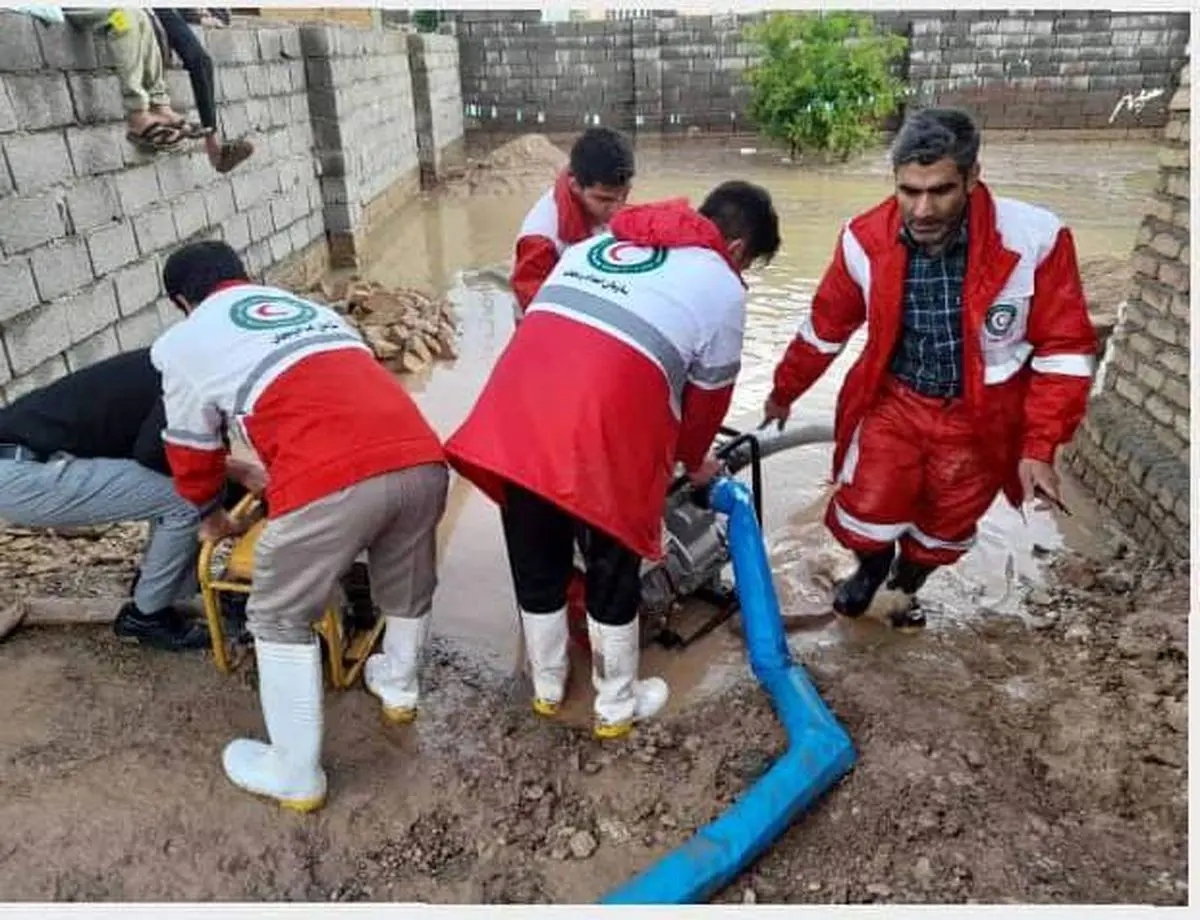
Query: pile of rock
(407, 329)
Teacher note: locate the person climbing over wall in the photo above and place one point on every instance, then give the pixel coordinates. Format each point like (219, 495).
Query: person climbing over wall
(153, 125)
(351, 464)
(583, 199)
(624, 364)
(977, 366)
(223, 155)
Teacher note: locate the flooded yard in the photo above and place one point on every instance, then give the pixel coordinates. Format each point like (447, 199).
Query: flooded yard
(1030, 746)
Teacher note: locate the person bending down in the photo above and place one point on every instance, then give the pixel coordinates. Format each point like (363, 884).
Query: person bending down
(624, 364)
(350, 465)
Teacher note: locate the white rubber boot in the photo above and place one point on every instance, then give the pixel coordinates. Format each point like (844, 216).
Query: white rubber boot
(288, 769)
(546, 636)
(393, 674)
(621, 699)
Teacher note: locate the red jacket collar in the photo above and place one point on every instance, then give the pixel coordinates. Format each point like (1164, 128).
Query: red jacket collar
(671, 224)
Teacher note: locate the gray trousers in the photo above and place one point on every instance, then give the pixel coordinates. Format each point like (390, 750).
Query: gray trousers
(74, 492)
(300, 555)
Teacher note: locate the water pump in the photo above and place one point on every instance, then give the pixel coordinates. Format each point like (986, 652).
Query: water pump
(695, 544)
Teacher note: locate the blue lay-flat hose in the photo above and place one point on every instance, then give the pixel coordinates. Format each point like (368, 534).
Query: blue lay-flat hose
(819, 749)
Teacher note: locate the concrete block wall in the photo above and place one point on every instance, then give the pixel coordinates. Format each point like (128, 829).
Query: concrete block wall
(1133, 448)
(1044, 69)
(1050, 69)
(360, 95)
(86, 219)
(437, 104)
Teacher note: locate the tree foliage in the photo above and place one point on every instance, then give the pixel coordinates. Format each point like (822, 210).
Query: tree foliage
(825, 81)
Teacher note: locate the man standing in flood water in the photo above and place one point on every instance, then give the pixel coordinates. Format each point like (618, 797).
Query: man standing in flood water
(582, 201)
(977, 366)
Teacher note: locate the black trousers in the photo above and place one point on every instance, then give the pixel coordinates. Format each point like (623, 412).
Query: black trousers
(183, 41)
(541, 540)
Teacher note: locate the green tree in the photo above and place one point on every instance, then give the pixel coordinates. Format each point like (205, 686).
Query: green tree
(426, 20)
(825, 82)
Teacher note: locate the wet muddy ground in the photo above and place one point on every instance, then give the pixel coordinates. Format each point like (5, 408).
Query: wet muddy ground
(1030, 746)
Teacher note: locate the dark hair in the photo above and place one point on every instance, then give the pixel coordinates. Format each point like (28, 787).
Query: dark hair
(929, 135)
(192, 271)
(602, 156)
(743, 211)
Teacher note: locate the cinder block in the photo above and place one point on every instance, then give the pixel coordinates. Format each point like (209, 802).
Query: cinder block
(232, 83)
(97, 97)
(93, 203)
(27, 222)
(181, 173)
(138, 189)
(112, 247)
(236, 231)
(154, 230)
(91, 310)
(218, 202)
(69, 48)
(260, 222)
(8, 116)
(19, 49)
(36, 335)
(97, 149)
(41, 376)
(61, 268)
(17, 291)
(102, 345)
(168, 313)
(232, 46)
(137, 286)
(40, 100)
(280, 246)
(190, 214)
(139, 330)
(38, 160)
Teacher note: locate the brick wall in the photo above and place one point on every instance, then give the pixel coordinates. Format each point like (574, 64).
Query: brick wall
(86, 219)
(1076, 68)
(360, 93)
(1066, 69)
(437, 87)
(1132, 450)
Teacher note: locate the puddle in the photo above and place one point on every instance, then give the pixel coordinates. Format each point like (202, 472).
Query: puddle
(443, 243)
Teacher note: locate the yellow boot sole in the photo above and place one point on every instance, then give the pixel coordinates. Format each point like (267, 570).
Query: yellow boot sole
(547, 709)
(399, 715)
(612, 732)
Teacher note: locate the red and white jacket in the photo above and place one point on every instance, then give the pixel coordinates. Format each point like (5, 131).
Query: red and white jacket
(557, 221)
(301, 387)
(1029, 344)
(624, 364)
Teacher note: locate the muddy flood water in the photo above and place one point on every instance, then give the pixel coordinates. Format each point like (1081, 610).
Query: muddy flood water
(447, 240)
(1030, 746)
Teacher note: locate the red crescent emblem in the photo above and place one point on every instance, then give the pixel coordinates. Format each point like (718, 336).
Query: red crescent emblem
(266, 311)
(615, 252)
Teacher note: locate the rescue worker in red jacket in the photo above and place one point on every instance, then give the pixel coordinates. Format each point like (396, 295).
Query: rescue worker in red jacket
(976, 368)
(582, 201)
(351, 465)
(624, 364)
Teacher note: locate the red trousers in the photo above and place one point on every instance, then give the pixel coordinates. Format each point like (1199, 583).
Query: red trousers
(913, 473)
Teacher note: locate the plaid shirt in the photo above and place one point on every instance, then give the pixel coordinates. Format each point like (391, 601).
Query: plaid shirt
(929, 355)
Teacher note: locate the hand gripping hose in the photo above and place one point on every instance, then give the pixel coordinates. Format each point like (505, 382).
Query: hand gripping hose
(819, 750)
